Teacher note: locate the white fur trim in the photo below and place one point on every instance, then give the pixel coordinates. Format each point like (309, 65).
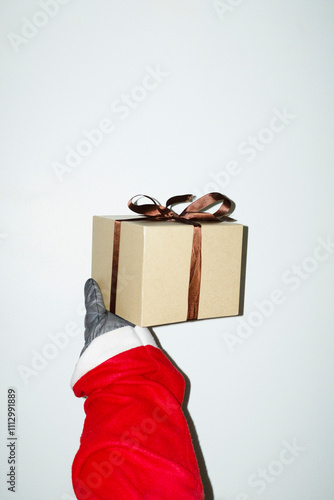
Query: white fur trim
(108, 345)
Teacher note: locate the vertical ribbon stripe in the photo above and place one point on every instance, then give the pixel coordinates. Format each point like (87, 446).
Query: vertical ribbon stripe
(195, 274)
(114, 269)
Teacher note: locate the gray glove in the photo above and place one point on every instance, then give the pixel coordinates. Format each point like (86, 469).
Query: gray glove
(98, 320)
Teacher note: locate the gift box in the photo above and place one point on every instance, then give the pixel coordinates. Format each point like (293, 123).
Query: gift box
(155, 272)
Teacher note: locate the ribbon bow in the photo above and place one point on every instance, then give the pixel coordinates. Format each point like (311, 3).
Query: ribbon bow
(192, 214)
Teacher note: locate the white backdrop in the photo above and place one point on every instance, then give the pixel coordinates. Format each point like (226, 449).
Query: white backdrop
(188, 96)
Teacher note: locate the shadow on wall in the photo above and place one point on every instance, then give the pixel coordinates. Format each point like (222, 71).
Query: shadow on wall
(208, 491)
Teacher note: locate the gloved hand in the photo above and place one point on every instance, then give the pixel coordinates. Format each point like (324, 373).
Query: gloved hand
(98, 320)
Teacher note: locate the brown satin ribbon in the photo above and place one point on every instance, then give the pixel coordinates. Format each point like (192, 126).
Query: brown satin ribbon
(114, 270)
(193, 214)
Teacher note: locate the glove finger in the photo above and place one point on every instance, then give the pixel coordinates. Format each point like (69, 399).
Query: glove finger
(95, 308)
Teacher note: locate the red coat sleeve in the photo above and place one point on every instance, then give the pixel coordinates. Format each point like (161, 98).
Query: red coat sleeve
(135, 442)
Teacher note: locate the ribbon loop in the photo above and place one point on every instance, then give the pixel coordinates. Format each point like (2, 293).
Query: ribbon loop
(195, 212)
(174, 200)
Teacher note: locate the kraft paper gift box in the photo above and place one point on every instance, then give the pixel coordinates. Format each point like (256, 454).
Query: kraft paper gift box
(154, 268)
